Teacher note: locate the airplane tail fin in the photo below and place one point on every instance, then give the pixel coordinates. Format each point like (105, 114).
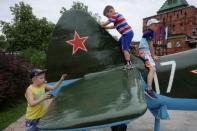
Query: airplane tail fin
(80, 46)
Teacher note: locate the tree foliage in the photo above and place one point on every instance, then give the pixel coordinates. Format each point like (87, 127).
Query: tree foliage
(26, 30)
(13, 78)
(3, 43)
(27, 33)
(34, 57)
(77, 5)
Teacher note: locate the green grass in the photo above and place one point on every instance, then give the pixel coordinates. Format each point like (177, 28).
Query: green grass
(11, 113)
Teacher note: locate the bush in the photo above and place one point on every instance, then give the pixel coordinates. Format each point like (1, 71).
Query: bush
(14, 78)
(35, 57)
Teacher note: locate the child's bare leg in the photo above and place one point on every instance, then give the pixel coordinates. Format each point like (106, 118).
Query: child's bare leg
(150, 77)
(127, 57)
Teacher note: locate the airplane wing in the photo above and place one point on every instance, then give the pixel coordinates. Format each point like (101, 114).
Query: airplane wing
(101, 98)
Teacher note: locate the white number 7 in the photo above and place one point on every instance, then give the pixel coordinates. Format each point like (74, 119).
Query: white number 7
(173, 63)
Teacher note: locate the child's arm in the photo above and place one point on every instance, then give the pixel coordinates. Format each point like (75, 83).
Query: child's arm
(57, 83)
(152, 51)
(103, 24)
(109, 27)
(33, 102)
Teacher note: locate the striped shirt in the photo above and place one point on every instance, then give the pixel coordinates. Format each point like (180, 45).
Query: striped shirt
(120, 23)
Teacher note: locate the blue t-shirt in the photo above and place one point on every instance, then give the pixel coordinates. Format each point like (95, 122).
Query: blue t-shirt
(149, 35)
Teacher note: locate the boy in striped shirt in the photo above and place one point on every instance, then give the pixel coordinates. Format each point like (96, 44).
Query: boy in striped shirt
(123, 28)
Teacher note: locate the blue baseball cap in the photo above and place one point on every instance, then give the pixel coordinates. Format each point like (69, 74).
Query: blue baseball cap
(36, 72)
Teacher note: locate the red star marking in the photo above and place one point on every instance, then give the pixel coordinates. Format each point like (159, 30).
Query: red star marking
(194, 71)
(77, 43)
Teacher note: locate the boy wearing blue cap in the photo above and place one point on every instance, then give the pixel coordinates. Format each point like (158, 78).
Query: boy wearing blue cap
(36, 94)
(146, 52)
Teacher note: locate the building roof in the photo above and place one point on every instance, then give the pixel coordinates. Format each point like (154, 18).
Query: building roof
(172, 4)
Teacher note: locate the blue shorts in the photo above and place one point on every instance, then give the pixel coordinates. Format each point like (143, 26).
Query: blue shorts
(126, 40)
(31, 125)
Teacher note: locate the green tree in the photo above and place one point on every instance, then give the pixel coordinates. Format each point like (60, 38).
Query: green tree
(34, 57)
(3, 43)
(26, 30)
(77, 5)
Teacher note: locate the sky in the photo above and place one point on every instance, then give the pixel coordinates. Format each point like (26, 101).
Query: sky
(133, 10)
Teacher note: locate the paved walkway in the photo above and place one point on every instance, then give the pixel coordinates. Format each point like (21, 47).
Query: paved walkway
(179, 121)
(19, 125)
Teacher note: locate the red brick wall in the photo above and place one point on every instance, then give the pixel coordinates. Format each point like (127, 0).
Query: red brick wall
(180, 21)
(176, 49)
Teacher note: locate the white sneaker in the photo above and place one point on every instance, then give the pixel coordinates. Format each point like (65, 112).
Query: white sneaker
(129, 66)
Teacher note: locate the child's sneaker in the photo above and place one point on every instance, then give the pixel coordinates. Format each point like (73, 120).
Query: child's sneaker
(128, 67)
(150, 94)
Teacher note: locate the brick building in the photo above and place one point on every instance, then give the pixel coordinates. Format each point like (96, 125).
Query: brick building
(179, 19)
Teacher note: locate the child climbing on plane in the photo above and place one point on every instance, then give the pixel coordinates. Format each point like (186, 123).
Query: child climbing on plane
(146, 52)
(123, 28)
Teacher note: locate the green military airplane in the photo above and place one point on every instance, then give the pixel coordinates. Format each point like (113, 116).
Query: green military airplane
(100, 92)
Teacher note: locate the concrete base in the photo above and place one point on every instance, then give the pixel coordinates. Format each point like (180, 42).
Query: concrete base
(179, 121)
